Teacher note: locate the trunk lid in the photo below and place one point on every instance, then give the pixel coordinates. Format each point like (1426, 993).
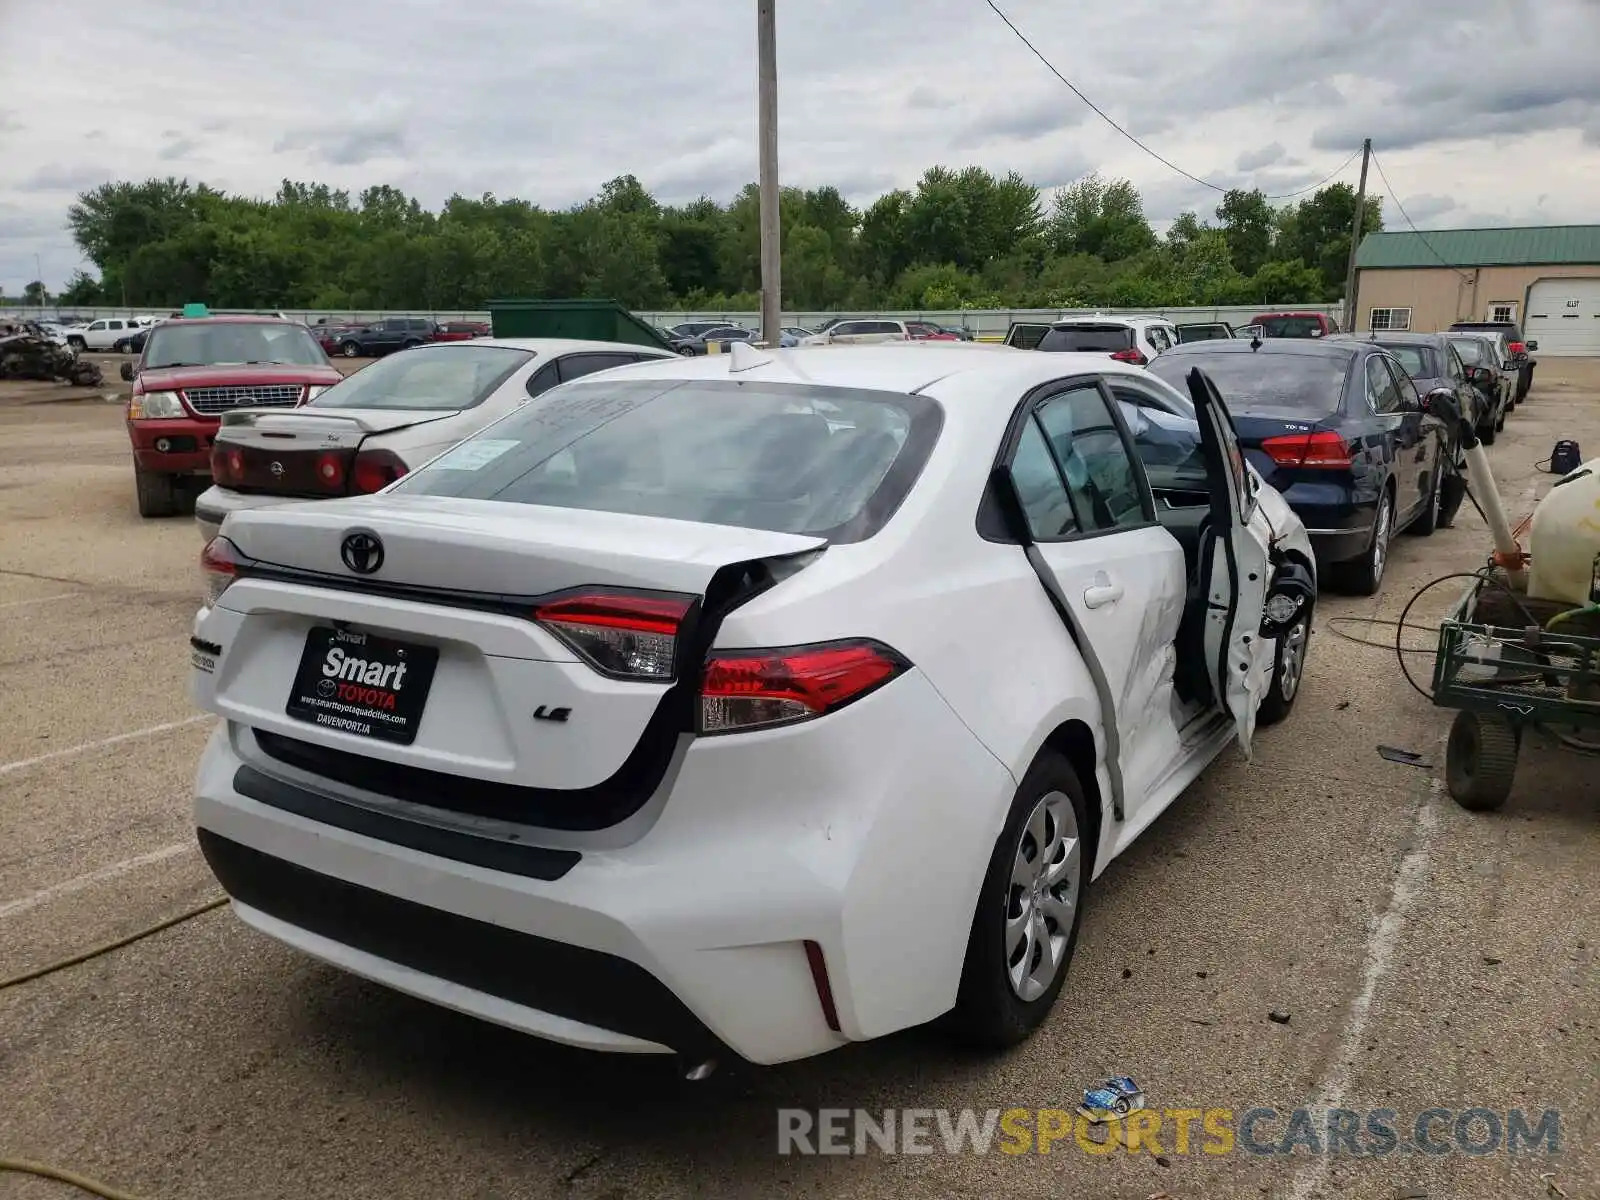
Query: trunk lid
(1268, 421)
(497, 695)
(309, 451)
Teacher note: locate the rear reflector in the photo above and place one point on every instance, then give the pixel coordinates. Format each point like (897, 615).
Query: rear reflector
(757, 689)
(1324, 448)
(624, 635)
(824, 986)
(1517, 347)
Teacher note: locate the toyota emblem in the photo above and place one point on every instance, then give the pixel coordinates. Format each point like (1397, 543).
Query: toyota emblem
(362, 552)
(277, 470)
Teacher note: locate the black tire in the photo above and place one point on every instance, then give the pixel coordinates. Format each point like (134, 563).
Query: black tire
(1288, 673)
(350, 349)
(1428, 519)
(1501, 423)
(78, 344)
(1486, 434)
(157, 494)
(686, 351)
(412, 344)
(1364, 576)
(989, 1015)
(1481, 760)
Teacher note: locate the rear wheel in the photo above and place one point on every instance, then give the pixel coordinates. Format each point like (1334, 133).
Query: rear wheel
(349, 349)
(1365, 576)
(157, 493)
(1028, 912)
(77, 343)
(686, 352)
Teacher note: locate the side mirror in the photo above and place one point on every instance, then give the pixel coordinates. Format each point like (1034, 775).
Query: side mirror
(1508, 365)
(1533, 345)
(127, 372)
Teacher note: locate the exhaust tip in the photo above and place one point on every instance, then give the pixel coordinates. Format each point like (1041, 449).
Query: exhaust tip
(703, 1071)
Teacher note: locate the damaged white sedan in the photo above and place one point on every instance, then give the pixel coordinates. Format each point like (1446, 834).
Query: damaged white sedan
(747, 705)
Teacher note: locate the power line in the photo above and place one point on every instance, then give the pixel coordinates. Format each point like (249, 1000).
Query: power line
(1104, 116)
(1389, 188)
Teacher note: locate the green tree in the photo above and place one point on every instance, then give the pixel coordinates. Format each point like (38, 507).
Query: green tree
(35, 294)
(1246, 219)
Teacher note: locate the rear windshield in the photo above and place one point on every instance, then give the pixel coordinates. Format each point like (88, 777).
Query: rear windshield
(792, 458)
(1026, 337)
(1088, 338)
(1472, 351)
(1311, 382)
(1291, 327)
(428, 377)
(1203, 333)
(226, 343)
(1417, 360)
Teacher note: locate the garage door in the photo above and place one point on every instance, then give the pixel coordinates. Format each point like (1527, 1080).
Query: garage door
(1564, 316)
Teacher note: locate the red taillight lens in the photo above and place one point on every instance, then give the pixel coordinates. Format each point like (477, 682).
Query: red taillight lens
(757, 689)
(220, 564)
(330, 470)
(375, 470)
(622, 634)
(1517, 347)
(1324, 448)
(1130, 355)
(227, 464)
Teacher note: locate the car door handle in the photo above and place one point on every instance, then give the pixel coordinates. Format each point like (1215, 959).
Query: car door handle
(1102, 594)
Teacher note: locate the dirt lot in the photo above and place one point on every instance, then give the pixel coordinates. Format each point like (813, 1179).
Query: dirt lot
(1426, 957)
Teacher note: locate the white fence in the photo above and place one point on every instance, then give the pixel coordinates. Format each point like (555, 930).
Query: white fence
(986, 323)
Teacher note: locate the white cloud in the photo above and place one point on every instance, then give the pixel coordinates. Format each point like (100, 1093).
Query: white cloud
(547, 99)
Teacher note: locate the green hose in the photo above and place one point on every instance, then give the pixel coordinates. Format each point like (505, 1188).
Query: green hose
(1570, 613)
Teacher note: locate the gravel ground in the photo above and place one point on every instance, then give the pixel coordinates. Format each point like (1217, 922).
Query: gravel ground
(1425, 956)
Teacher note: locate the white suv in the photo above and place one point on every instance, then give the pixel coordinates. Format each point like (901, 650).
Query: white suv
(875, 329)
(1126, 339)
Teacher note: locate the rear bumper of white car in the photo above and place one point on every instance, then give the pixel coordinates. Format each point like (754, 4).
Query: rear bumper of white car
(865, 834)
(214, 504)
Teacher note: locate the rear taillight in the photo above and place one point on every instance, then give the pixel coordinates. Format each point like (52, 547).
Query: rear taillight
(757, 689)
(1324, 448)
(625, 635)
(1517, 348)
(330, 470)
(375, 470)
(1130, 355)
(220, 564)
(227, 464)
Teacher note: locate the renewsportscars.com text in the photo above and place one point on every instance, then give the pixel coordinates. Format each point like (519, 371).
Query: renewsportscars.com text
(1371, 1133)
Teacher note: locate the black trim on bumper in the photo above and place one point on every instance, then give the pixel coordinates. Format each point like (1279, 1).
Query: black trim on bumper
(585, 985)
(531, 862)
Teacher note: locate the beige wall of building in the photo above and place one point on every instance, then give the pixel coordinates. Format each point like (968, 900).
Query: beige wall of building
(1438, 296)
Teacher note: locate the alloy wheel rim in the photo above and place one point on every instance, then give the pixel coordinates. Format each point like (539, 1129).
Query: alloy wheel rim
(1380, 540)
(1294, 657)
(1042, 895)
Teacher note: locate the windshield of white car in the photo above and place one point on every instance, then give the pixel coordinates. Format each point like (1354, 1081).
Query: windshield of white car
(793, 458)
(428, 378)
(231, 343)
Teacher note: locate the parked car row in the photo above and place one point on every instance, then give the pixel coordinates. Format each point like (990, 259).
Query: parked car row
(377, 338)
(489, 732)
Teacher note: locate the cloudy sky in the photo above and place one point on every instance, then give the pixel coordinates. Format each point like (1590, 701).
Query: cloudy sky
(1482, 112)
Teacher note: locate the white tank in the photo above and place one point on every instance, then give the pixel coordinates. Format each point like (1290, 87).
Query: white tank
(1565, 539)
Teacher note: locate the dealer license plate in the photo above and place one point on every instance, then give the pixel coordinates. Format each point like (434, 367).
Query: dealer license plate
(357, 683)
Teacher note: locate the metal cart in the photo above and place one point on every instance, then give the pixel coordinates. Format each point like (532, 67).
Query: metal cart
(1507, 663)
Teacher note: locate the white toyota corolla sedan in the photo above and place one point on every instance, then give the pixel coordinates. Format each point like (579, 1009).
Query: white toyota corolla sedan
(746, 705)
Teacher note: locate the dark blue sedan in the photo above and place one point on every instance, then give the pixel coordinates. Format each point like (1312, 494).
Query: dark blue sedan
(1339, 429)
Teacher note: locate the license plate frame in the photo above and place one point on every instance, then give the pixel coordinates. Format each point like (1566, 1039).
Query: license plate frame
(374, 687)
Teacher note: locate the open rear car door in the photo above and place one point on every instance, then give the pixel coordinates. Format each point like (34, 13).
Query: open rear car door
(1235, 566)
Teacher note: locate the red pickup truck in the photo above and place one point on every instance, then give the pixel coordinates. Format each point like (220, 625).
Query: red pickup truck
(191, 372)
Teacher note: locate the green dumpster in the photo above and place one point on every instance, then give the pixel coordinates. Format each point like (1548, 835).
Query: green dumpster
(595, 320)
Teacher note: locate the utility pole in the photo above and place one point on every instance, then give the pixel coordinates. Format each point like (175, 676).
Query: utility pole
(767, 107)
(1355, 240)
